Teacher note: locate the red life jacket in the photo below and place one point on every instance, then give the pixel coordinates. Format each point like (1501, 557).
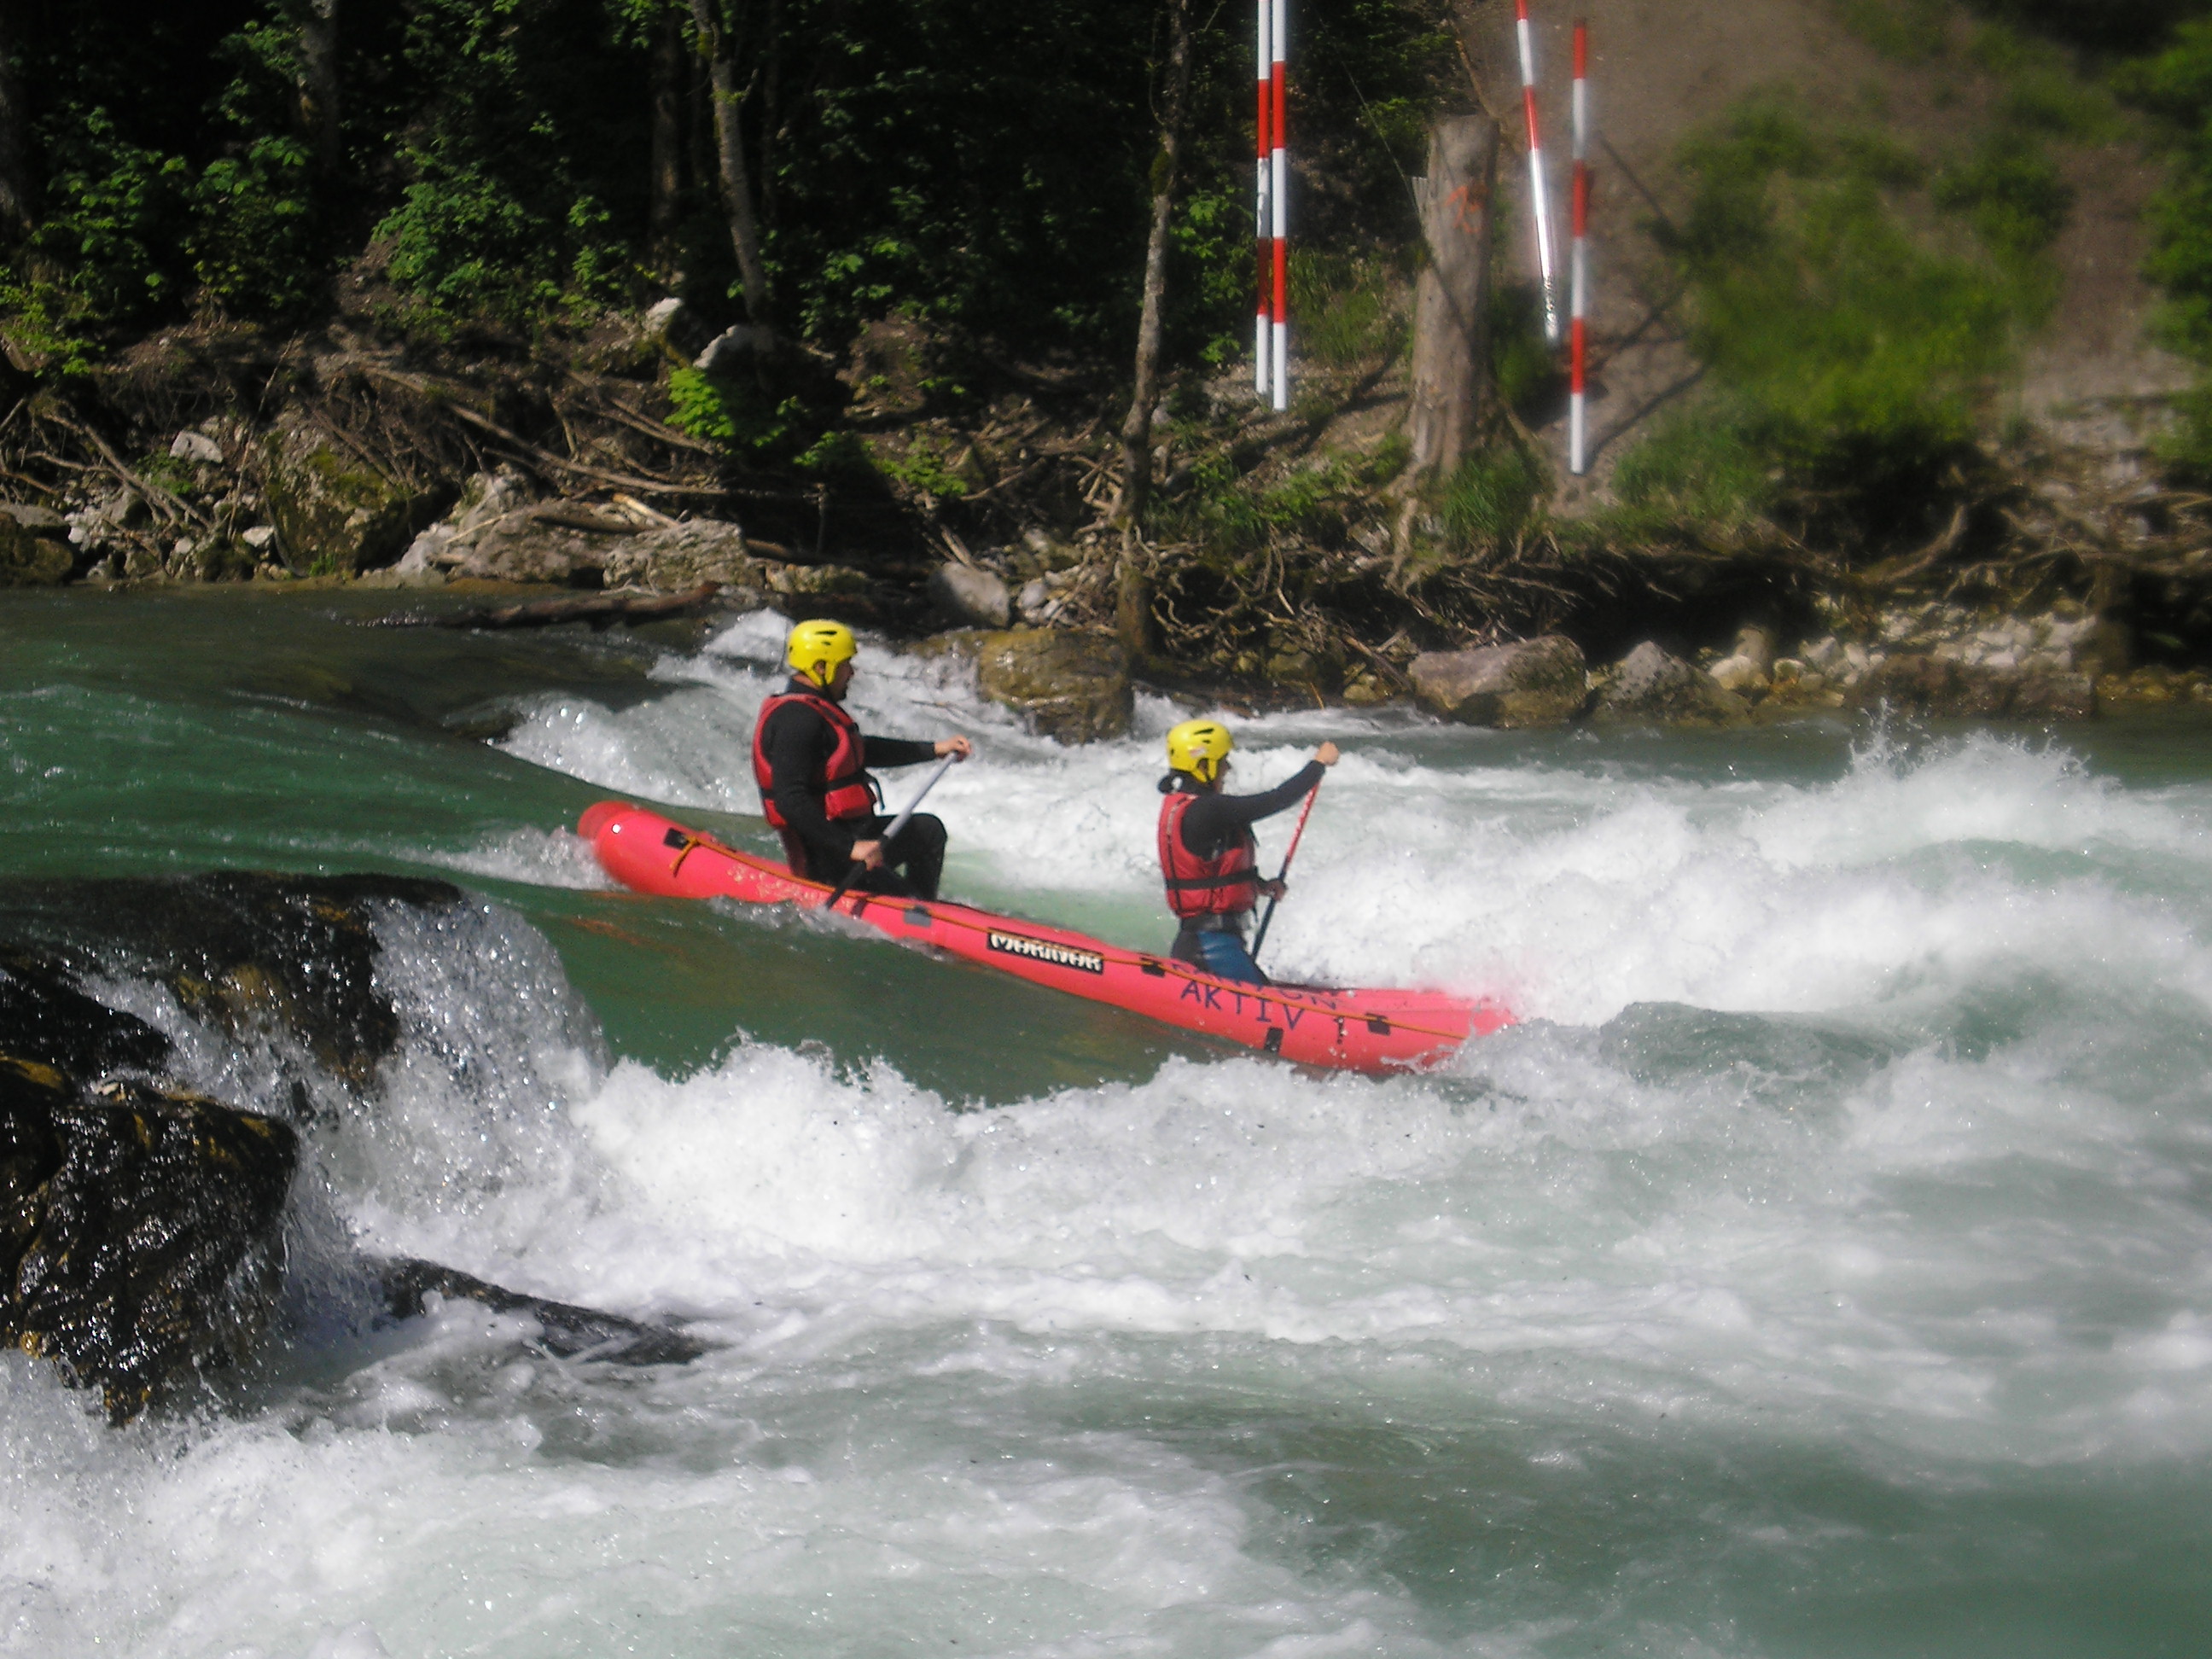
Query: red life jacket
(846, 791)
(1224, 884)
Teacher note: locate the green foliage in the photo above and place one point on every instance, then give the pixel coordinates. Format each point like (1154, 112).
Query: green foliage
(1490, 498)
(115, 221)
(2176, 86)
(1232, 515)
(1524, 366)
(1908, 31)
(499, 220)
(922, 468)
(2101, 24)
(255, 244)
(2012, 193)
(1857, 353)
(748, 419)
(2043, 93)
(1701, 463)
(1350, 308)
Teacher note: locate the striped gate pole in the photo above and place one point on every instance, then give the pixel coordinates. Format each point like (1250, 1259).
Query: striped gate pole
(1263, 342)
(1540, 199)
(1279, 196)
(1578, 266)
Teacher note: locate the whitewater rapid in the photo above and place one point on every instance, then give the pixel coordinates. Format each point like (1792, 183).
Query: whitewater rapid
(1825, 1267)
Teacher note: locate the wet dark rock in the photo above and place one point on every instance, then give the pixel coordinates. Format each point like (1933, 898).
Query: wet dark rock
(1539, 681)
(141, 1230)
(248, 952)
(1940, 688)
(46, 1020)
(142, 1226)
(565, 1331)
(29, 559)
(1074, 687)
(1649, 685)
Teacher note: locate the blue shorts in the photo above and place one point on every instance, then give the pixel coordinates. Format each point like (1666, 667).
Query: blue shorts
(1220, 952)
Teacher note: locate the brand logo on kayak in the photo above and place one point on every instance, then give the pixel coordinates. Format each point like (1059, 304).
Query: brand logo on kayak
(1043, 950)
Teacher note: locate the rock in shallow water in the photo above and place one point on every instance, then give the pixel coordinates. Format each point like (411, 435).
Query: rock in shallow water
(141, 1229)
(1941, 688)
(1074, 687)
(564, 1330)
(1539, 681)
(1649, 684)
(142, 1226)
(28, 559)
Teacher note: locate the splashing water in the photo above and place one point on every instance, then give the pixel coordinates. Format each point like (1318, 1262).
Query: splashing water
(1825, 1268)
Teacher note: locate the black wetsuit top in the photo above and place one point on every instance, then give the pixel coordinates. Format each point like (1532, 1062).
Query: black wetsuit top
(1212, 823)
(799, 744)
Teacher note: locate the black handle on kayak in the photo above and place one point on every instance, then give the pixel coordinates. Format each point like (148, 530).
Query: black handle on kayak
(897, 824)
(1267, 921)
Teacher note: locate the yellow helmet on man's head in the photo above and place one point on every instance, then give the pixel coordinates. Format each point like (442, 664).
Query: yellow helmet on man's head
(815, 649)
(1199, 747)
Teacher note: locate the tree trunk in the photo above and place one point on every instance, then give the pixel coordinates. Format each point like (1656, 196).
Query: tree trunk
(668, 69)
(1451, 306)
(15, 160)
(319, 80)
(721, 49)
(1137, 427)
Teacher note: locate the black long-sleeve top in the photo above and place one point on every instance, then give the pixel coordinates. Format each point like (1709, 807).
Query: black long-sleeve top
(1212, 823)
(799, 744)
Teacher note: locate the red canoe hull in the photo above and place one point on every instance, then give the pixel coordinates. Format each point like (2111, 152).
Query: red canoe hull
(1373, 1030)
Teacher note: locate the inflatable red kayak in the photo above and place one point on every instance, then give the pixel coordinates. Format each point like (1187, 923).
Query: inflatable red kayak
(1356, 1030)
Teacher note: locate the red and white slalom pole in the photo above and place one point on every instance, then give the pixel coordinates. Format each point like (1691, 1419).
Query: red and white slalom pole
(1263, 217)
(1278, 198)
(1539, 198)
(1578, 266)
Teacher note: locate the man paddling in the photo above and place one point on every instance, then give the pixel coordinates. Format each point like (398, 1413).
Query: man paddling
(811, 762)
(1207, 852)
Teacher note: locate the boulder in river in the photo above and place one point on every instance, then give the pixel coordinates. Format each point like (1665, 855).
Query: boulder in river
(1539, 681)
(141, 1229)
(29, 558)
(1074, 687)
(970, 597)
(334, 514)
(246, 953)
(1649, 685)
(1943, 688)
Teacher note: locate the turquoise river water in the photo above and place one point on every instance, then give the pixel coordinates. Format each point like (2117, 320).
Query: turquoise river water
(1823, 1269)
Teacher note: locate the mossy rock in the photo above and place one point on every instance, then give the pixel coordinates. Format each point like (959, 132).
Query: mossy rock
(1074, 687)
(334, 515)
(29, 560)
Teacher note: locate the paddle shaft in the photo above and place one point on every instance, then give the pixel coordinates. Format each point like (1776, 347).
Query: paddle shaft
(1267, 921)
(897, 824)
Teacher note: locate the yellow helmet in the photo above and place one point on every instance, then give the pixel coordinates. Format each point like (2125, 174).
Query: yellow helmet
(815, 649)
(1199, 747)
